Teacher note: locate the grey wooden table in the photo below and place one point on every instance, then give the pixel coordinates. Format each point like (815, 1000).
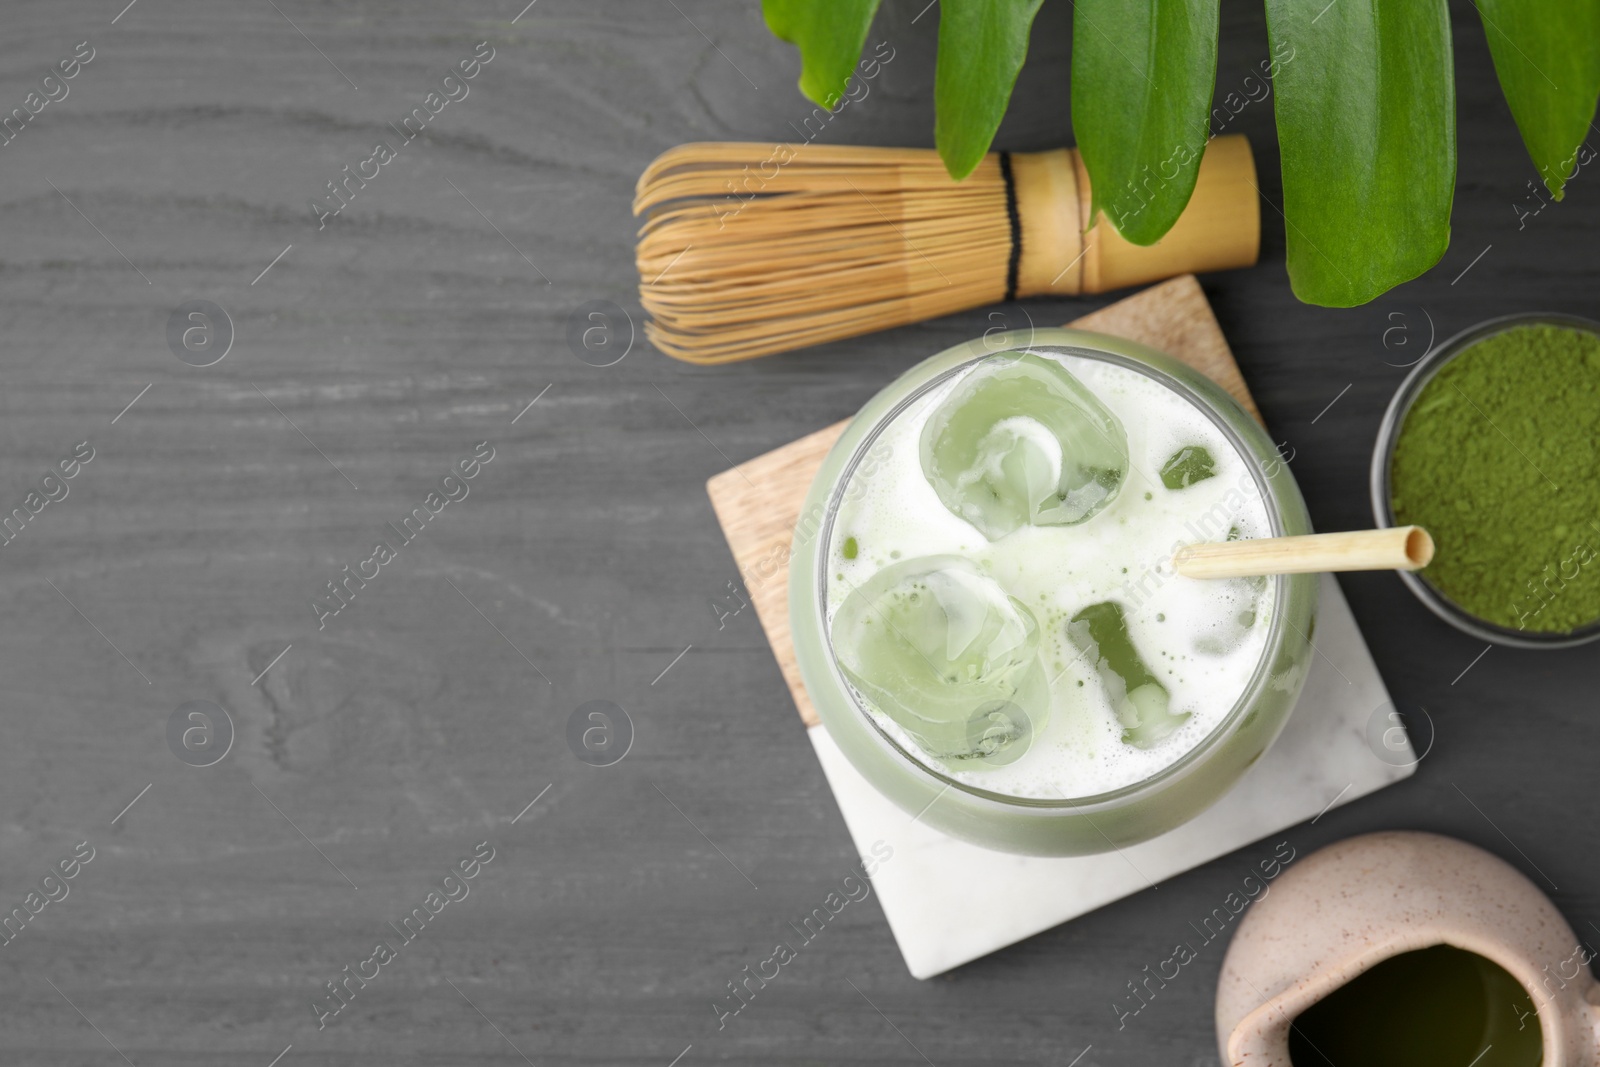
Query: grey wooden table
(373, 753)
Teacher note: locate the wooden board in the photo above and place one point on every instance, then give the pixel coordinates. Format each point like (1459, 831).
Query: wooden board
(758, 502)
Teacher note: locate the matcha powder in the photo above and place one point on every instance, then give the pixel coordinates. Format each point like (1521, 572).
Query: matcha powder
(1499, 458)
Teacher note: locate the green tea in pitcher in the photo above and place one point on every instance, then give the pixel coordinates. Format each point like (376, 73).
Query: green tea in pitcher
(1435, 1007)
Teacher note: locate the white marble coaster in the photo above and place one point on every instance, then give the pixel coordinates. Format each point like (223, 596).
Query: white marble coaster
(927, 887)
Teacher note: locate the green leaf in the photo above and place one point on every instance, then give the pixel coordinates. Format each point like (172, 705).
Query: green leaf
(1142, 78)
(1366, 126)
(829, 34)
(982, 44)
(1547, 54)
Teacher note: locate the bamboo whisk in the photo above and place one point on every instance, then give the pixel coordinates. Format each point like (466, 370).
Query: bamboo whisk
(750, 249)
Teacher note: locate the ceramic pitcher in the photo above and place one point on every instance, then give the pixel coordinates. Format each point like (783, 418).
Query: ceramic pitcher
(1354, 904)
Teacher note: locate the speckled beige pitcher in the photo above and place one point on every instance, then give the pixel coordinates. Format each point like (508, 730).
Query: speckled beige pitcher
(1352, 905)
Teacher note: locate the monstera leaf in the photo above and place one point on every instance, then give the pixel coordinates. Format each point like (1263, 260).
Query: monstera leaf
(1142, 77)
(982, 44)
(1367, 130)
(1547, 55)
(829, 35)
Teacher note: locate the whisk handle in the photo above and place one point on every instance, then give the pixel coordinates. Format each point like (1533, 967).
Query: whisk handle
(1061, 253)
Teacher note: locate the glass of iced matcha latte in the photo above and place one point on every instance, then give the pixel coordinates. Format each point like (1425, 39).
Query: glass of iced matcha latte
(984, 610)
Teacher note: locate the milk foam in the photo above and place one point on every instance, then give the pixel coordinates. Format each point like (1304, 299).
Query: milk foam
(894, 514)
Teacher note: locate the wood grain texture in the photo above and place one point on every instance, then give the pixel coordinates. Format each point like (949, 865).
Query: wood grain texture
(758, 502)
(409, 729)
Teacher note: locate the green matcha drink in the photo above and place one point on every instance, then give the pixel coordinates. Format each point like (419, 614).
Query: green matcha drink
(990, 616)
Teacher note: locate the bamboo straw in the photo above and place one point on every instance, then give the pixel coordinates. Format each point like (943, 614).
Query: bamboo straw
(750, 249)
(1403, 548)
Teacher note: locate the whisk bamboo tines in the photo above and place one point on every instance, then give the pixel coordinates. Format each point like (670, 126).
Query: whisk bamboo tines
(750, 249)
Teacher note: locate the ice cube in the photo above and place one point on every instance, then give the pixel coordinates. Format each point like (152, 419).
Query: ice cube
(1142, 703)
(944, 651)
(1021, 442)
(1000, 732)
(1188, 465)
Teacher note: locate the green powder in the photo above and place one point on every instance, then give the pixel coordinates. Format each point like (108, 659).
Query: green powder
(1498, 459)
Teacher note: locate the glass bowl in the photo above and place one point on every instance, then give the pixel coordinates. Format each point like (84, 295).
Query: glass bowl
(1383, 457)
(1083, 825)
